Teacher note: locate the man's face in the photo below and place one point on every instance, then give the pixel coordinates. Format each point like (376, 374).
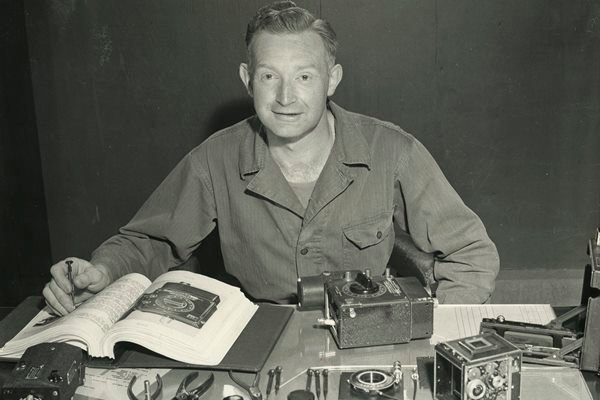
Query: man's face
(290, 82)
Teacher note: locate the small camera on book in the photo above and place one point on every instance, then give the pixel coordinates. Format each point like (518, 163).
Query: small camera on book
(180, 302)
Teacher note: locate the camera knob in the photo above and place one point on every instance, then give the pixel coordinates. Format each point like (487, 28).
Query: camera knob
(363, 284)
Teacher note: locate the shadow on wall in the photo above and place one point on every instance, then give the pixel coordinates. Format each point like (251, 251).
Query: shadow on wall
(230, 113)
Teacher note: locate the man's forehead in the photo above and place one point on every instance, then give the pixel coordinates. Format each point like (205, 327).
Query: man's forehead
(307, 42)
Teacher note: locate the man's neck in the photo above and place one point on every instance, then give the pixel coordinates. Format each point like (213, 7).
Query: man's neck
(303, 160)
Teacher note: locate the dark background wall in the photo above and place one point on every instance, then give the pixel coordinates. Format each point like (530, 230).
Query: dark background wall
(506, 95)
(24, 240)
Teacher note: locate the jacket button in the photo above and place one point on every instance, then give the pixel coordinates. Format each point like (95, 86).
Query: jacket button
(379, 234)
(304, 251)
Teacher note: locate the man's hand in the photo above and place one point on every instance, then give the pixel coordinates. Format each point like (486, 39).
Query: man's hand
(88, 279)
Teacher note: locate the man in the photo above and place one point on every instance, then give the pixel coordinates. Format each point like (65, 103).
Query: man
(302, 187)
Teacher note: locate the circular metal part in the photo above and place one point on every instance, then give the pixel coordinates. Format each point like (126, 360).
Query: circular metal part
(497, 381)
(489, 367)
(474, 373)
(476, 389)
(369, 380)
(378, 291)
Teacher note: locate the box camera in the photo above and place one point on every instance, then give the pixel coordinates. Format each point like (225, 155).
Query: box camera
(486, 367)
(363, 310)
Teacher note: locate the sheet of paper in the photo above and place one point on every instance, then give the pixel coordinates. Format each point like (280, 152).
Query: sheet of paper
(112, 383)
(101, 384)
(452, 321)
(104, 384)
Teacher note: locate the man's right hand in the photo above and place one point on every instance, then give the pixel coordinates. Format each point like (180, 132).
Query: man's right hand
(88, 279)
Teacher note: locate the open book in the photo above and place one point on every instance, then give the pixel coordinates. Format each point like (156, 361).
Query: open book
(181, 315)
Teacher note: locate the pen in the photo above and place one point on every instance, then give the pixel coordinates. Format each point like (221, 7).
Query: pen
(70, 277)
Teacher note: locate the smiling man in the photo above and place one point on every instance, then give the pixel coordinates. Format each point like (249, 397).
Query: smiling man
(302, 187)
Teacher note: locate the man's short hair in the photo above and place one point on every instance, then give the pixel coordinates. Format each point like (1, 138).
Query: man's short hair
(286, 17)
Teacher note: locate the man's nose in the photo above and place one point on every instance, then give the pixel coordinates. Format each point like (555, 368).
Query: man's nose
(285, 93)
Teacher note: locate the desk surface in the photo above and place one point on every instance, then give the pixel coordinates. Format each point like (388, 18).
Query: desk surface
(304, 345)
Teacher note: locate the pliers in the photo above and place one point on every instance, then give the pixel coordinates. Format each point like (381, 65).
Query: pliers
(253, 389)
(183, 393)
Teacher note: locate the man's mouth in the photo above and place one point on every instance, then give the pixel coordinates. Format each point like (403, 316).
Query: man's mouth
(286, 116)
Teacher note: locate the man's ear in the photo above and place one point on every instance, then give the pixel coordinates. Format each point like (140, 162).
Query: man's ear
(335, 77)
(246, 78)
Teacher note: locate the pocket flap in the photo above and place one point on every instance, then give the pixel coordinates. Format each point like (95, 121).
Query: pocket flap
(370, 231)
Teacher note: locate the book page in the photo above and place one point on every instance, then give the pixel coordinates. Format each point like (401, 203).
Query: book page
(455, 321)
(102, 311)
(108, 306)
(187, 342)
(86, 325)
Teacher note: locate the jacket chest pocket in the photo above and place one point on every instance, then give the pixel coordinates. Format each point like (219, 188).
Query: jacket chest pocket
(368, 243)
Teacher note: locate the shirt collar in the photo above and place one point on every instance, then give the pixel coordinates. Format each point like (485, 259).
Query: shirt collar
(350, 147)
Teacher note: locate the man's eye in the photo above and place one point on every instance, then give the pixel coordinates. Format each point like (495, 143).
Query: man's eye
(305, 77)
(268, 76)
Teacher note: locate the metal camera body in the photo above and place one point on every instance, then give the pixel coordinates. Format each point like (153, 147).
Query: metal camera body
(363, 310)
(46, 371)
(482, 367)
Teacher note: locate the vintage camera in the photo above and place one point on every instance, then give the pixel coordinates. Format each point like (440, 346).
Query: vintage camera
(47, 371)
(486, 367)
(181, 302)
(363, 310)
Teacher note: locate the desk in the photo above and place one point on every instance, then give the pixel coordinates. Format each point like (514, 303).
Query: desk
(302, 345)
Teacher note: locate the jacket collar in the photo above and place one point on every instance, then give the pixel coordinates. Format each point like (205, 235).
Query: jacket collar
(350, 147)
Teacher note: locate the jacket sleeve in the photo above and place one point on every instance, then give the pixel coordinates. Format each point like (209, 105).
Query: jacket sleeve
(466, 261)
(168, 227)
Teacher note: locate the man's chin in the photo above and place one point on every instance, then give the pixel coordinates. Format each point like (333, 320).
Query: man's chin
(286, 133)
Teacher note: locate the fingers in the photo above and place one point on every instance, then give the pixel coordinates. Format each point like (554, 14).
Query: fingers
(59, 276)
(93, 279)
(87, 279)
(58, 291)
(57, 299)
